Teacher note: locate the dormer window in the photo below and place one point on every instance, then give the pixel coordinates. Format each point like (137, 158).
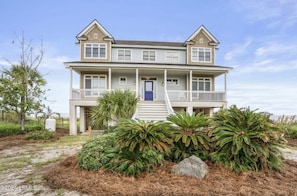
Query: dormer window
(95, 51)
(201, 54)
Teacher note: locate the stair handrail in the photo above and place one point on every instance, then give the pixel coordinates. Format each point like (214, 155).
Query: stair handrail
(168, 104)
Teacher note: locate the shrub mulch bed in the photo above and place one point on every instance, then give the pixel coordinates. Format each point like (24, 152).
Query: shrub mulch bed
(219, 181)
(19, 140)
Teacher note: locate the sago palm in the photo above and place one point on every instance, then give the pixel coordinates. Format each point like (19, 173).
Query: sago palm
(113, 106)
(190, 135)
(246, 140)
(140, 135)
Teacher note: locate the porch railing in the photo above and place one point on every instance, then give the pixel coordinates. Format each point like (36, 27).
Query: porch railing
(88, 94)
(205, 96)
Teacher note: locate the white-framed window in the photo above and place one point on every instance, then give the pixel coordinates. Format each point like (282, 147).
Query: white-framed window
(201, 84)
(122, 80)
(172, 81)
(172, 56)
(95, 50)
(149, 55)
(124, 55)
(94, 85)
(201, 54)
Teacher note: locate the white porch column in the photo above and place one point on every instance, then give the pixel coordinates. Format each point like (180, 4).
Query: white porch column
(165, 79)
(70, 93)
(82, 120)
(225, 75)
(72, 120)
(109, 79)
(190, 110)
(136, 83)
(191, 86)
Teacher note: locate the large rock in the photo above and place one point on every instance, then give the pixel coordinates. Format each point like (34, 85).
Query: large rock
(192, 166)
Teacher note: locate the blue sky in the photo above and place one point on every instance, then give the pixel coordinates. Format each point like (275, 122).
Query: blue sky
(258, 39)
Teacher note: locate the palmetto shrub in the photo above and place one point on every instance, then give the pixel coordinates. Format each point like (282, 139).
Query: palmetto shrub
(246, 140)
(141, 146)
(97, 152)
(191, 136)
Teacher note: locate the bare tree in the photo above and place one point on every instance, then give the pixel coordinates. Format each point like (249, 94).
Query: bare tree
(21, 84)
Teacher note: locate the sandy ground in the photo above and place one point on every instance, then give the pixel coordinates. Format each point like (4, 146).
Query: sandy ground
(22, 167)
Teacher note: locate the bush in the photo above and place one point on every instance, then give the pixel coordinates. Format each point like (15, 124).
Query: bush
(141, 145)
(7, 129)
(191, 136)
(292, 132)
(246, 140)
(133, 163)
(97, 152)
(40, 135)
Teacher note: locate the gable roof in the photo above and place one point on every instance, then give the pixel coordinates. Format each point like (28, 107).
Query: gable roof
(204, 30)
(93, 24)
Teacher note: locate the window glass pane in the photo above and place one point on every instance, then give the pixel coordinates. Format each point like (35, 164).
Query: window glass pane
(102, 82)
(207, 86)
(194, 85)
(201, 86)
(88, 52)
(88, 83)
(95, 52)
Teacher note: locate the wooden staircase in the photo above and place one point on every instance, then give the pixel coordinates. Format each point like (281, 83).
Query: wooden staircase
(152, 111)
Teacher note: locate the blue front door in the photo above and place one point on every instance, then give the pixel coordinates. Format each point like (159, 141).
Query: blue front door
(148, 90)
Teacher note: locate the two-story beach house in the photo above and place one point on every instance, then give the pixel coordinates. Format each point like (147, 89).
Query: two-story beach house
(166, 76)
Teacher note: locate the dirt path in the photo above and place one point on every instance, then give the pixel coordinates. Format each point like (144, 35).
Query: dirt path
(22, 167)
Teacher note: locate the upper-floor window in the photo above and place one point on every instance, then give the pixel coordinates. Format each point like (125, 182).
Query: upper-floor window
(149, 55)
(124, 55)
(171, 56)
(95, 51)
(201, 54)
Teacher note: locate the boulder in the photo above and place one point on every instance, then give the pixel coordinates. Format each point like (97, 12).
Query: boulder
(192, 166)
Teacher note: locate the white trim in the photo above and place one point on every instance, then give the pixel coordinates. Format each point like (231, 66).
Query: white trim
(172, 83)
(124, 55)
(92, 75)
(206, 33)
(204, 51)
(92, 46)
(198, 79)
(149, 56)
(172, 56)
(123, 82)
(91, 26)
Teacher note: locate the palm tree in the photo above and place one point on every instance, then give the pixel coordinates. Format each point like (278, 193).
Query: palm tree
(114, 105)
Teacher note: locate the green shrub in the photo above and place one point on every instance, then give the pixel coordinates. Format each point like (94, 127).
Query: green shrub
(292, 132)
(39, 135)
(141, 145)
(97, 152)
(191, 136)
(133, 163)
(246, 140)
(7, 129)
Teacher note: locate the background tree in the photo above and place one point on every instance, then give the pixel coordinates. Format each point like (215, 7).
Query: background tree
(21, 84)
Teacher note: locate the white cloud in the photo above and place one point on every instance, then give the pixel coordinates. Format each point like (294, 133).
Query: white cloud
(274, 48)
(238, 49)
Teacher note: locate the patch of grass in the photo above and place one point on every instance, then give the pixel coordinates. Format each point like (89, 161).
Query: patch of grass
(40, 135)
(38, 164)
(15, 163)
